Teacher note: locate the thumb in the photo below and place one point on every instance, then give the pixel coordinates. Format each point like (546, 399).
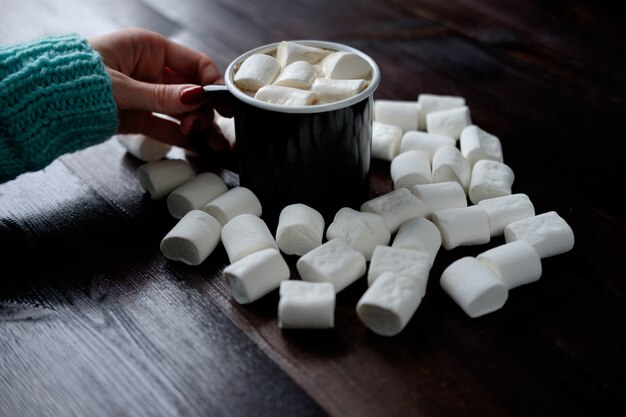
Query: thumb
(131, 94)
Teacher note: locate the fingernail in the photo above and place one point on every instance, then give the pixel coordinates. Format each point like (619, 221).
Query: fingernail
(192, 95)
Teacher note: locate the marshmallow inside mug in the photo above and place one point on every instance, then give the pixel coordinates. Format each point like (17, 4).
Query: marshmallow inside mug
(317, 155)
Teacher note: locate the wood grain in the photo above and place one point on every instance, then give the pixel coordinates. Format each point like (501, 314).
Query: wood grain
(94, 321)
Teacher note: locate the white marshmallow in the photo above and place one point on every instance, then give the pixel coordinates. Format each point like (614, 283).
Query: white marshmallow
(300, 229)
(388, 305)
(333, 262)
(506, 209)
(462, 226)
(285, 96)
(288, 52)
(409, 169)
(547, 233)
(396, 207)
(298, 74)
(490, 179)
(329, 90)
(425, 142)
(515, 263)
(193, 238)
(414, 264)
(236, 201)
(430, 103)
(419, 234)
(473, 287)
(448, 122)
(385, 141)
(246, 234)
(346, 66)
(227, 126)
(257, 274)
(362, 231)
(144, 147)
(306, 305)
(159, 178)
(195, 194)
(403, 114)
(476, 144)
(256, 71)
(440, 195)
(450, 165)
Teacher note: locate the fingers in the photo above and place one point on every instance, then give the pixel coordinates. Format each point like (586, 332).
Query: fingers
(158, 98)
(190, 63)
(195, 121)
(136, 121)
(152, 74)
(209, 138)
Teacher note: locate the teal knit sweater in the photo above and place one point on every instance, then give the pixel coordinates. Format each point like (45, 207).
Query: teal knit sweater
(55, 98)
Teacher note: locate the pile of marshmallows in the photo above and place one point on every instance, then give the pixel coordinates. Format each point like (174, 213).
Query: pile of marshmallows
(302, 75)
(427, 209)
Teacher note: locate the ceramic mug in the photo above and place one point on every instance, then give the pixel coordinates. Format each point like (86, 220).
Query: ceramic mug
(318, 155)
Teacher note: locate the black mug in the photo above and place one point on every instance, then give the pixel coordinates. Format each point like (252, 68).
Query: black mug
(318, 155)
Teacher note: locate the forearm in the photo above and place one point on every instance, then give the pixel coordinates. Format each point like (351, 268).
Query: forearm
(55, 98)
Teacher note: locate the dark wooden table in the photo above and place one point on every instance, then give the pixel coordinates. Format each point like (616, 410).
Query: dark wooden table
(94, 321)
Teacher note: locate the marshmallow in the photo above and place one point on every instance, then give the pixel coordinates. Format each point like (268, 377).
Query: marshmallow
(159, 178)
(515, 263)
(256, 71)
(448, 122)
(388, 305)
(547, 233)
(298, 74)
(490, 179)
(195, 194)
(473, 287)
(236, 201)
(476, 144)
(333, 262)
(288, 52)
(306, 305)
(430, 103)
(403, 114)
(193, 238)
(462, 226)
(257, 274)
(396, 207)
(286, 96)
(450, 165)
(227, 126)
(385, 141)
(346, 66)
(506, 209)
(362, 231)
(414, 264)
(144, 147)
(246, 234)
(419, 234)
(440, 195)
(409, 169)
(332, 90)
(300, 229)
(425, 142)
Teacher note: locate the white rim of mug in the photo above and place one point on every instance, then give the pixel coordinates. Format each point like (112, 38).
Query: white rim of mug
(314, 108)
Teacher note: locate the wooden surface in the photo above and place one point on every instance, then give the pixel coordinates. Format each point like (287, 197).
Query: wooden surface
(95, 322)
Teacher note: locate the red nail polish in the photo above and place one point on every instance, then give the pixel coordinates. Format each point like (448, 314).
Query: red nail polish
(192, 95)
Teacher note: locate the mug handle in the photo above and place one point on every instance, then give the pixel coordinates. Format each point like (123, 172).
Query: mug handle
(221, 98)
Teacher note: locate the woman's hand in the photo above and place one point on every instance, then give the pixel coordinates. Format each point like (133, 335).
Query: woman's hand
(149, 74)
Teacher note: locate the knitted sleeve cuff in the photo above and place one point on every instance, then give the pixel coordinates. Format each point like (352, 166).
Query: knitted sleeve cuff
(55, 97)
